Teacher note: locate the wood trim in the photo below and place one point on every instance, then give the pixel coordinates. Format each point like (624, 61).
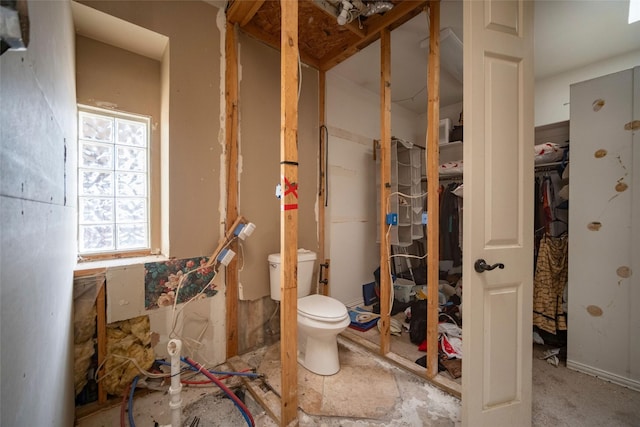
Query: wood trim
(401, 13)
(231, 148)
(289, 210)
(116, 255)
(432, 154)
(89, 272)
(241, 11)
(101, 332)
(385, 175)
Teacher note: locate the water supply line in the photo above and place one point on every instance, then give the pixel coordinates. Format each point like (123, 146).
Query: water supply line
(239, 404)
(174, 347)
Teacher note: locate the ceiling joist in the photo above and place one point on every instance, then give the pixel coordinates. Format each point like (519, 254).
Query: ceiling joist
(323, 43)
(401, 13)
(241, 12)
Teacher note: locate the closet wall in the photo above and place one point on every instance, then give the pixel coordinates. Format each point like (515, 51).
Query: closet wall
(604, 284)
(353, 122)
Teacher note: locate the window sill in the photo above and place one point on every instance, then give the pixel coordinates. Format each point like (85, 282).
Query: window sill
(117, 262)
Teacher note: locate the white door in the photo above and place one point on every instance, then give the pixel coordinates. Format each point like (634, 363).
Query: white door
(498, 212)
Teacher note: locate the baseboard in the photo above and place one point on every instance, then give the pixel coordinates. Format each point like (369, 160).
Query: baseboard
(608, 376)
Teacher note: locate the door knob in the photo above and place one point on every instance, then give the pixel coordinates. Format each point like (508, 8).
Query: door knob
(481, 266)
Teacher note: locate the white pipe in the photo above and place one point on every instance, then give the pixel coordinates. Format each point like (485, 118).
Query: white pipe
(173, 347)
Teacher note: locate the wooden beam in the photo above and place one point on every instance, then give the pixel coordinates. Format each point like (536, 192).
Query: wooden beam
(385, 175)
(241, 11)
(231, 149)
(289, 210)
(330, 10)
(101, 332)
(322, 190)
(432, 154)
(401, 13)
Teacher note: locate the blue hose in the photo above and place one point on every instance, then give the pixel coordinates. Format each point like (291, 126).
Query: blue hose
(130, 408)
(238, 374)
(241, 406)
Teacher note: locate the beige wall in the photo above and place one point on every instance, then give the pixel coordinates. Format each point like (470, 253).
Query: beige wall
(113, 78)
(194, 112)
(260, 151)
(37, 222)
(194, 171)
(188, 96)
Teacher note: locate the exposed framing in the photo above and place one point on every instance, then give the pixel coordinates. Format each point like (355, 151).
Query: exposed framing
(247, 15)
(385, 187)
(432, 161)
(289, 211)
(231, 152)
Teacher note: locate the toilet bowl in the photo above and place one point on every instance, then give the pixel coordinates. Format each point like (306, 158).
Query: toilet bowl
(320, 318)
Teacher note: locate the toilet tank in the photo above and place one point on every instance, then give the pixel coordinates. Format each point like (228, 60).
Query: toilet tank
(306, 263)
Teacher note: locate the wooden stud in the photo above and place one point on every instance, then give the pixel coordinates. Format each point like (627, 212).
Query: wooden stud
(101, 311)
(322, 191)
(289, 58)
(432, 154)
(241, 11)
(385, 175)
(231, 149)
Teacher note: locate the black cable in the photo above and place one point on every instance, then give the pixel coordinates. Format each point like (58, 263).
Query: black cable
(326, 165)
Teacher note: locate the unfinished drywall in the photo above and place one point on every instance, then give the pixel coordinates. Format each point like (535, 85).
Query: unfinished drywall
(193, 116)
(188, 97)
(260, 161)
(353, 119)
(37, 211)
(116, 79)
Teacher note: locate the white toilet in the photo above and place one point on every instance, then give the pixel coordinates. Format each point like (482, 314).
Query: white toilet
(320, 318)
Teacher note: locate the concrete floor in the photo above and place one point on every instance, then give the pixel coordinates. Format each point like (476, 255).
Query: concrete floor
(369, 391)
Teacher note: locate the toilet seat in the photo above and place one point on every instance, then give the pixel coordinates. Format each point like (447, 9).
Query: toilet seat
(322, 308)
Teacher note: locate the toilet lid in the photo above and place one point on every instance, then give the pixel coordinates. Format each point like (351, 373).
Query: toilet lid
(320, 307)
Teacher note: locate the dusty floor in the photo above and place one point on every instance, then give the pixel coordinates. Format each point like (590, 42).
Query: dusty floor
(369, 391)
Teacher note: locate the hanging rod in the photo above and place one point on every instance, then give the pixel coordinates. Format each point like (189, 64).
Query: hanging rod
(456, 177)
(545, 167)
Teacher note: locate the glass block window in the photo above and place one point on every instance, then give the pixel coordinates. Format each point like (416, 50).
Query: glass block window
(113, 181)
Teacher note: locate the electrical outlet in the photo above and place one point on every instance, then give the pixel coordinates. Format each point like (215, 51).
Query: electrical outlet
(392, 218)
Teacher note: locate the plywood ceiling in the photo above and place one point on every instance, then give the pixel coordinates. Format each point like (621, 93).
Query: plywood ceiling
(322, 42)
